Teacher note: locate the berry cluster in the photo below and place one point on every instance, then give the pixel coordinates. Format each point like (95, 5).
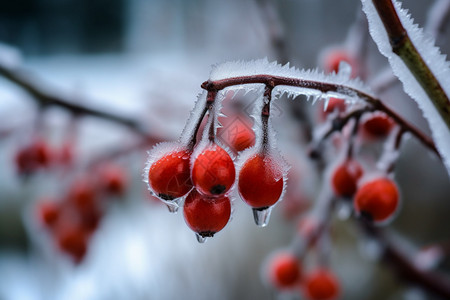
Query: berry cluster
(73, 219)
(285, 273)
(203, 174)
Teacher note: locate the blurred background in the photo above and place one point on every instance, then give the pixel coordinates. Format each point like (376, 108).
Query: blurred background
(137, 65)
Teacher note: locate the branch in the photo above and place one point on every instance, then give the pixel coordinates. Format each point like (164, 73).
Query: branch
(44, 98)
(405, 267)
(403, 47)
(274, 81)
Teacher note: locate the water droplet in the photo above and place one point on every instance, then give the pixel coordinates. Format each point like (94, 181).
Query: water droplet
(172, 208)
(325, 105)
(262, 216)
(201, 239)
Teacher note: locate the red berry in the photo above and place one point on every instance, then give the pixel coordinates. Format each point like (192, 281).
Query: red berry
(73, 240)
(82, 196)
(237, 132)
(206, 216)
(377, 199)
(284, 271)
(33, 157)
(260, 181)
(169, 177)
(49, 212)
(213, 171)
(334, 58)
(335, 104)
(112, 179)
(345, 178)
(322, 284)
(378, 125)
(65, 154)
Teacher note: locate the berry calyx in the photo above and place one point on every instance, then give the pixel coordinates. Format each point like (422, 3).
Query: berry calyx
(321, 284)
(377, 199)
(345, 178)
(169, 177)
(206, 216)
(260, 181)
(213, 171)
(284, 271)
(378, 125)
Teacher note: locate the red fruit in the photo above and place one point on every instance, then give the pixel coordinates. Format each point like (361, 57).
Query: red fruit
(345, 178)
(65, 154)
(260, 181)
(237, 133)
(322, 284)
(206, 216)
(73, 240)
(335, 104)
(33, 157)
(82, 196)
(169, 177)
(284, 271)
(334, 58)
(49, 213)
(378, 125)
(112, 180)
(377, 199)
(213, 171)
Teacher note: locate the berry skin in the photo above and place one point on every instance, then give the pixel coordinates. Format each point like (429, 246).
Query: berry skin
(237, 132)
(83, 197)
(377, 199)
(378, 125)
(112, 180)
(73, 240)
(213, 171)
(322, 284)
(206, 216)
(345, 178)
(49, 213)
(260, 182)
(284, 271)
(169, 177)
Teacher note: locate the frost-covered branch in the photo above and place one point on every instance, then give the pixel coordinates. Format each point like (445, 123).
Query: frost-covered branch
(45, 98)
(403, 47)
(323, 87)
(405, 266)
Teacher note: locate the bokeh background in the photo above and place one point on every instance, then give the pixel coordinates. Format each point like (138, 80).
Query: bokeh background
(145, 60)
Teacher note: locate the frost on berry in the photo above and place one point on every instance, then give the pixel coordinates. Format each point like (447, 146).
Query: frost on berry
(377, 125)
(377, 199)
(167, 172)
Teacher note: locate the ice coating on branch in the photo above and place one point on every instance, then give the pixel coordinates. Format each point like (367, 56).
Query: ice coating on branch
(193, 118)
(433, 58)
(264, 67)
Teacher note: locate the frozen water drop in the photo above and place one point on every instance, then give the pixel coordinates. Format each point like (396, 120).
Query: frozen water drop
(325, 105)
(345, 69)
(262, 216)
(201, 239)
(172, 208)
(344, 210)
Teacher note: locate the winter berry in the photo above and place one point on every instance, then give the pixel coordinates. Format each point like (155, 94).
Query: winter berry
(335, 104)
(82, 196)
(284, 271)
(204, 215)
(33, 157)
(213, 171)
(377, 199)
(345, 178)
(334, 58)
(321, 284)
(73, 240)
(260, 181)
(378, 125)
(237, 132)
(169, 177)
(112, 179)
(49, 213)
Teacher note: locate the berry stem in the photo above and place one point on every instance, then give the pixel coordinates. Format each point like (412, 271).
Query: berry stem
(351, 138)
(274, 81)
(265, 114)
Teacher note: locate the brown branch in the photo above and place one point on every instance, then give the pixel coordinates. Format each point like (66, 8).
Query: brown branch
(405, 268)
(44, 98)
(324, 88)
(403, 47)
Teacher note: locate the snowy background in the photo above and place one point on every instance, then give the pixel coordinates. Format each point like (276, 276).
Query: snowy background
(146, 59)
